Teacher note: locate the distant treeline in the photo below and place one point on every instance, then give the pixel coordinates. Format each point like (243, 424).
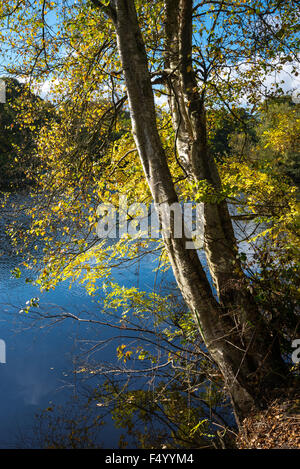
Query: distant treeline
(21, 117)
(272, 133)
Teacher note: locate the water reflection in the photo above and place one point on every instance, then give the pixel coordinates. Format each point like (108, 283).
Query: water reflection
(41, 359)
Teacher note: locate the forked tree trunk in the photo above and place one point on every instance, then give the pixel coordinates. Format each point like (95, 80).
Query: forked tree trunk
(189, 121)
(242, 349)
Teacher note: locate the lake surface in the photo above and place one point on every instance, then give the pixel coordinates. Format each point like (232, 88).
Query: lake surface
(41, 359)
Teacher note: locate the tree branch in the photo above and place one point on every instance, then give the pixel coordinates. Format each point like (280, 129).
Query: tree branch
(109, 9)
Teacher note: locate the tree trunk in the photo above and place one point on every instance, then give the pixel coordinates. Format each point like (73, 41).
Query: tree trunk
(189, 120)
(242, 349)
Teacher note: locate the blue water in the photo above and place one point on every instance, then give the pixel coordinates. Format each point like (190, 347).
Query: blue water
(40, 357)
